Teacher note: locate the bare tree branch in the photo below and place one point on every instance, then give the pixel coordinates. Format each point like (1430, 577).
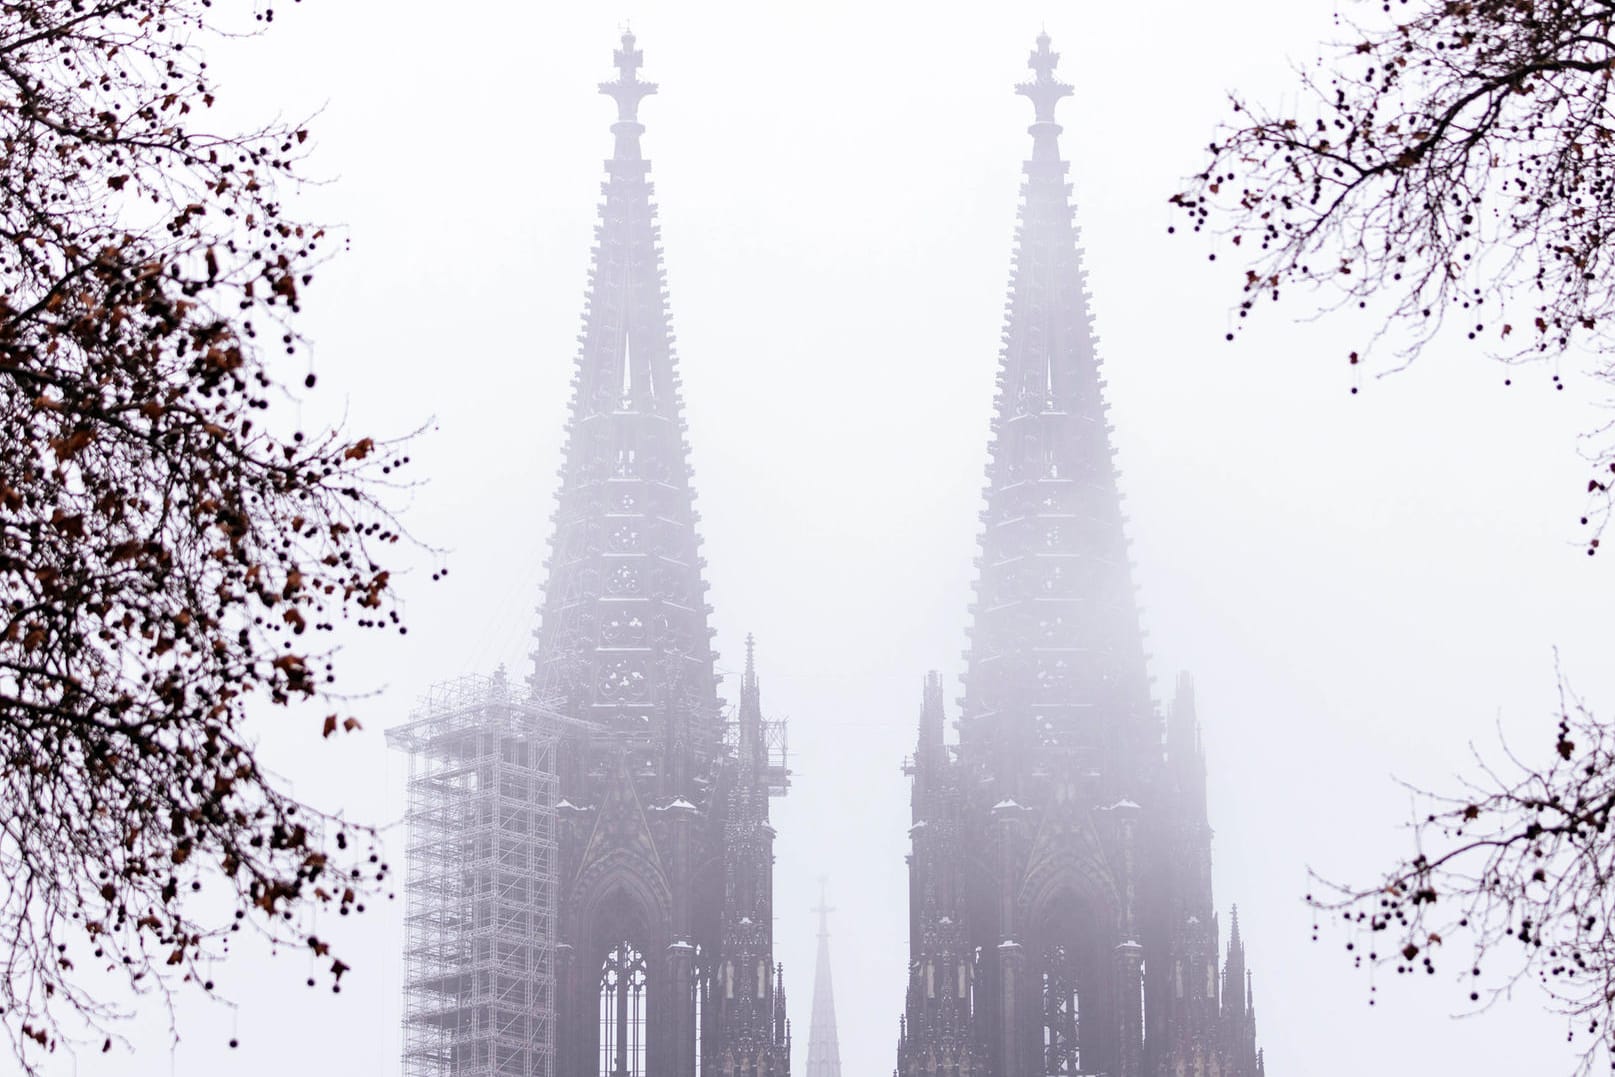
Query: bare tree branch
(1454, 163)
(169, 548)
(1509, 882)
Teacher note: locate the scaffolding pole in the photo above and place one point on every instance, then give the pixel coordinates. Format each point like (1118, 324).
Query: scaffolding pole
(480, 889)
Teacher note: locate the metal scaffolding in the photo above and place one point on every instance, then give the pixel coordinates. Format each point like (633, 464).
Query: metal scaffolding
(479, 984)
(776, 752)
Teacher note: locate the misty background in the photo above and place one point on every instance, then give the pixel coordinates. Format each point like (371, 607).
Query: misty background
(1361, 584)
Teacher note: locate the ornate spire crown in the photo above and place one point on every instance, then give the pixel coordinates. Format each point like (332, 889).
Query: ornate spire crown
(1045, 91)
(627, 90)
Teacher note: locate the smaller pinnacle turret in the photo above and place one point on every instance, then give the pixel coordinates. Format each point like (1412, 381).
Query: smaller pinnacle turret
(752, 750)
(1239, 1009)
(750, 1022)
(1233, 983)
(930, 756)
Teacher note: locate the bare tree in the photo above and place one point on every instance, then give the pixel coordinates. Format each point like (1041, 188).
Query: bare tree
(1455, 163)
(1510, 883)
(170, 547)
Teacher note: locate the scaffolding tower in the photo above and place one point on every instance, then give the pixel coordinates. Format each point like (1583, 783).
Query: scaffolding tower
(480, 889)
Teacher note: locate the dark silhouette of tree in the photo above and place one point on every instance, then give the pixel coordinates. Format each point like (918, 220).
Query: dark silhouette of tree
(1454, 164)
(170, 548)
(1511, 882)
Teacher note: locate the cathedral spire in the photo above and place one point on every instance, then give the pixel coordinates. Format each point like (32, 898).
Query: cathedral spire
(1057, 655)
(824, 1052)
(624, 632)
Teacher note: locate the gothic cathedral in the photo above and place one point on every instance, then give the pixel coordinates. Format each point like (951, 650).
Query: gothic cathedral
(1061, 915)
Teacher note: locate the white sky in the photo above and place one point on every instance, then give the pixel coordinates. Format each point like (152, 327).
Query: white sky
(1361, 585)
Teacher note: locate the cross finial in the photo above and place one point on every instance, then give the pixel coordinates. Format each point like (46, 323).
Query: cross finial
(627, 90)
(824, 909)
(628, 58)
(1044, 61)
(1044, 90)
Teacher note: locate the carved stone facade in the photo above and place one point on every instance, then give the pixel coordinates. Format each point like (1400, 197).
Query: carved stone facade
(665, 924)
(1061, 915)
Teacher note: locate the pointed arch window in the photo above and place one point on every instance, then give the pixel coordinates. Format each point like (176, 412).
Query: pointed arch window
(1143, 996)
(1062, 1056)
(622, 1012)
(701, 988)
(626, 400)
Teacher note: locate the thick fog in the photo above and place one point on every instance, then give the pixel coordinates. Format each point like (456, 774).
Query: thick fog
(1361, 584)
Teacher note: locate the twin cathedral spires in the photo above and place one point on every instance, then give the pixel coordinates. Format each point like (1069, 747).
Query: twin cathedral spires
(1061, 911)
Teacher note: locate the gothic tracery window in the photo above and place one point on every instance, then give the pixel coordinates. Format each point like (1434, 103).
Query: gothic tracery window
(622, 1012)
